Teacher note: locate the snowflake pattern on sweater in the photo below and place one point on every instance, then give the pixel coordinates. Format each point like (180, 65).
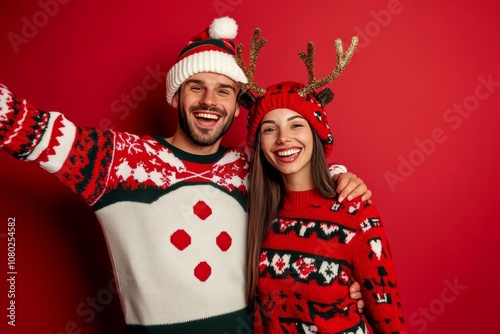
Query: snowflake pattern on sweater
(175, 223)
(312, 251)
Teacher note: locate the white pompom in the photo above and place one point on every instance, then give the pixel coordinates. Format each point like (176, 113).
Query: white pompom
(223, 27)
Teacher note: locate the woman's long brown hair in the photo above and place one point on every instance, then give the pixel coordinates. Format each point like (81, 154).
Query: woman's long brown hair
(265, 195)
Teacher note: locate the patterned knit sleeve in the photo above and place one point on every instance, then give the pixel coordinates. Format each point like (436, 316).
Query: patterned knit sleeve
(374, 270)
(78, 157)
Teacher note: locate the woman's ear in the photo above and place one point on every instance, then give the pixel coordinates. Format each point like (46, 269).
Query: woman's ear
(246, 99)
(324, 97)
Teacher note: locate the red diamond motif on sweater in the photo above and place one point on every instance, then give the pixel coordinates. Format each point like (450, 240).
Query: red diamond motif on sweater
(180, 239)
(202, 271)
(202, 210)
(224, 241)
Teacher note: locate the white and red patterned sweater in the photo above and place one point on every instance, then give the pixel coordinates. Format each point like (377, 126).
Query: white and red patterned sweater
(175, 223)
(308, 256)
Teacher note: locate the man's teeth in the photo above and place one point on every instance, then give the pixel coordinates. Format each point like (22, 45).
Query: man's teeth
(287, 152)
(208, 116)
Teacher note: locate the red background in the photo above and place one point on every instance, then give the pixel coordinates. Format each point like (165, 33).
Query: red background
(433, 170)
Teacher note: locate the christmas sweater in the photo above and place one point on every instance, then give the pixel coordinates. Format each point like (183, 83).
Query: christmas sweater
(311, 253)
(174, 223)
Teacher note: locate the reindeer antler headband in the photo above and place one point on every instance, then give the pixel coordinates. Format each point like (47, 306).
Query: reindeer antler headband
(308, 59)
(298, 97)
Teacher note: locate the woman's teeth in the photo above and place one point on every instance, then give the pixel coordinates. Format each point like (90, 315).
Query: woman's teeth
(287, 152)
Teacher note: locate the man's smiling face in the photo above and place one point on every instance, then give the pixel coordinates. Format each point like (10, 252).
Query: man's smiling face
(207, 104)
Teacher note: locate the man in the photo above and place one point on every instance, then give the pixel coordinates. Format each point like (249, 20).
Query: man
(172, 210)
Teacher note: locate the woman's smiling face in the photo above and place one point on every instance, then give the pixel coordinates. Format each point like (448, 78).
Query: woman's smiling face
(287, 143)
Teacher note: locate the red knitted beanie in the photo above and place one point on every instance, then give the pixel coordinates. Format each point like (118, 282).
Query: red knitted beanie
(284, 95)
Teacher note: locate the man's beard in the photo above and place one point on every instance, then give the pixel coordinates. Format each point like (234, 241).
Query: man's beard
(202, 137)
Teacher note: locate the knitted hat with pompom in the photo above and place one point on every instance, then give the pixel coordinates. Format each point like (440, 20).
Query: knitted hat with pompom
(211, 50)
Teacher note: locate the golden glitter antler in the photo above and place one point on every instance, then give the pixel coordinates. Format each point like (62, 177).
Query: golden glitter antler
(342, 61)
(255, 47)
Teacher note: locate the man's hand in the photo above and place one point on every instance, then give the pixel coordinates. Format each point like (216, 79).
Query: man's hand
(355, 293)
(349, 186)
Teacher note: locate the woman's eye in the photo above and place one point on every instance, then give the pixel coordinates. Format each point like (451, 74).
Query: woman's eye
(267, 130)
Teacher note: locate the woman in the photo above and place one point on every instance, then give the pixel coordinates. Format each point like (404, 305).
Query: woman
(304, 245)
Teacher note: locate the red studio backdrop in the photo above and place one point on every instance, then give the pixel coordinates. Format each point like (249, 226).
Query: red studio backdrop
(415, 115)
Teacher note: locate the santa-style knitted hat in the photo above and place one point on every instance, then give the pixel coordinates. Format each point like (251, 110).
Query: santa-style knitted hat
(211, 50)
(285, 95)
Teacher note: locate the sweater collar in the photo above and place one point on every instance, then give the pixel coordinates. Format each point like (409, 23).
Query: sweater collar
(197, 158)
(298, 200)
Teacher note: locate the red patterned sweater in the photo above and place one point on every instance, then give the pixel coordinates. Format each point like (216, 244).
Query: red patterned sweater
(311, 251)
(175, 223)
